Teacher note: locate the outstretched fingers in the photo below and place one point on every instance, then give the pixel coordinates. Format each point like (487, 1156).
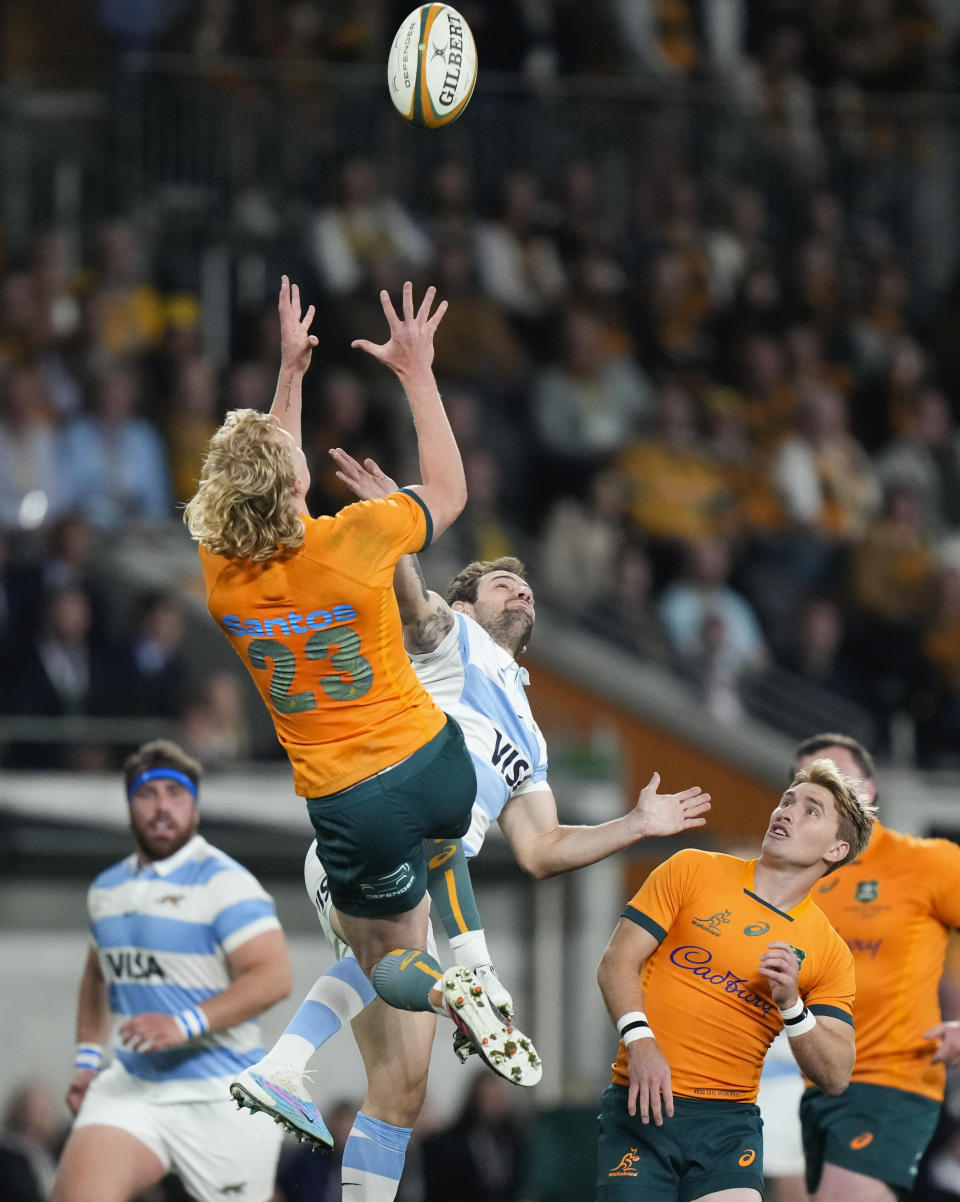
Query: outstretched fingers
(423, 313)
(437, 317)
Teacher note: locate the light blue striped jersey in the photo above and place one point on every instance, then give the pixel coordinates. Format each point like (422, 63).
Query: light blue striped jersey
(474, 680)
(163, 933)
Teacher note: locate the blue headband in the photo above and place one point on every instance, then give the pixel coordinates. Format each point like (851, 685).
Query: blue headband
(162, 774)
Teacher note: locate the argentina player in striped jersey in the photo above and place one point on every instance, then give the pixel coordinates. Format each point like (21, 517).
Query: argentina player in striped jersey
(186, 953)
(464, 649)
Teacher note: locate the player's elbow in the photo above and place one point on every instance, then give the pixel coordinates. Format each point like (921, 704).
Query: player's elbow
(834, 1077)
(833, 1085)
(535, 863)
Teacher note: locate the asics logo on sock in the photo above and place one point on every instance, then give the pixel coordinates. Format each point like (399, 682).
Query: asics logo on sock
(442, 856)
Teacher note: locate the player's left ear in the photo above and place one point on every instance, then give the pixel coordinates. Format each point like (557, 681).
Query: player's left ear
(463, 607)
(838, 852)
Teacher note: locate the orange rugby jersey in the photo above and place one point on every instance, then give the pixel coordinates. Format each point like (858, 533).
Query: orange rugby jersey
(703, 994)
(319, 630)
(894, 907)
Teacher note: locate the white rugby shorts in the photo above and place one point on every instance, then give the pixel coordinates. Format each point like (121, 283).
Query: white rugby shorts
(315, 880)
(216, 1150)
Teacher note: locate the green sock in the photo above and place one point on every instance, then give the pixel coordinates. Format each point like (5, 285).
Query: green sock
(404, 978)
(450, 887)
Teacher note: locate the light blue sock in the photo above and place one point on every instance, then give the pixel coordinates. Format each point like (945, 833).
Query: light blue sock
(373, 1159)
(336, 998)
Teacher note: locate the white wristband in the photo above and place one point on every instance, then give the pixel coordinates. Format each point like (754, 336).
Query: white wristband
(632, 1022)
(800, 1026)
(793, 1011)
(643, 1032)
(192, 1022)
(88, 1056)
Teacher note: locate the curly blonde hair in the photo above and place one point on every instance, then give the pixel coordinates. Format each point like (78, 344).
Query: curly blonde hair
(242, 508)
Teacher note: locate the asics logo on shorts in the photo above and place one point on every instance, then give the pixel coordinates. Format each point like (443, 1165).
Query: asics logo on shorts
(747, 1158)
(861, 1140)
(625, 1167)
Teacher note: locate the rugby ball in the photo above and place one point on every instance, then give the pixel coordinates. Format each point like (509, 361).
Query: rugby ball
(432, 66)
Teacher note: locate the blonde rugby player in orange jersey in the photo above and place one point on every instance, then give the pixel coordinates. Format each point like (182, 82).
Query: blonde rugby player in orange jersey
(309, 606)
(710, 959)
(894, 906)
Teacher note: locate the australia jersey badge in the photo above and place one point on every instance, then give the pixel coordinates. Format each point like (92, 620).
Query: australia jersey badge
(866, 891)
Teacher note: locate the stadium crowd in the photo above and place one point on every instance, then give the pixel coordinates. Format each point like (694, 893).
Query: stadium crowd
(713, 400)
(719, 413)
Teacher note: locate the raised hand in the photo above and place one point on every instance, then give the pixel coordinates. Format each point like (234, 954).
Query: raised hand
(364, 480)
(670, 813)
(296, 341)
(410, 346)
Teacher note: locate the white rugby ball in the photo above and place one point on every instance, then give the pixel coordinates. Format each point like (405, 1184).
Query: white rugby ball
(432, 66)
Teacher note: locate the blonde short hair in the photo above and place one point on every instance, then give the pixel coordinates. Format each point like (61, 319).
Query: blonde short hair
(242, 508)
(854, 813)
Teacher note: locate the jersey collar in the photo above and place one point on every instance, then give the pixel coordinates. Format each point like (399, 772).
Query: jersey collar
(165, 867)
(749, 868)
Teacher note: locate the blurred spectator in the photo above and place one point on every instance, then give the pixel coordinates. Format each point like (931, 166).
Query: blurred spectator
(54, 277)
(590, 402)
(153, 669)
(63, 669)
(345, 418)
(364, 224)
(826, 480)
(773, 86)
(475, 341)
(518, 263)
(481, 1149)
(889, 582)
(481, 531)
(22, 326)
(884, 401)
(625, 613)
(114, 465)
(712, 629)
(29, 1142)
(449, 214)
(817, 648)
(581, 542)
(32, 491)
(936, 705)
(213, 722)
(123, 310)
(192, 416)
(925, 457)
(677, 489)
(734, 243)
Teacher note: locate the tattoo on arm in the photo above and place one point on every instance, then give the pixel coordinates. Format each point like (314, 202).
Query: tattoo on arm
(429, 633)
(415, 562)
